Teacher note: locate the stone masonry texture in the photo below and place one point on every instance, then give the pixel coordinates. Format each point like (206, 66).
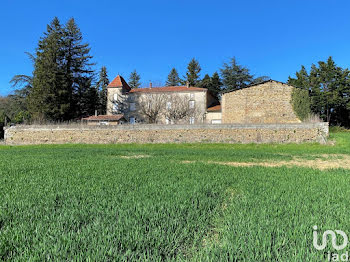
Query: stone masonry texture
(225, 133)
(269, 102)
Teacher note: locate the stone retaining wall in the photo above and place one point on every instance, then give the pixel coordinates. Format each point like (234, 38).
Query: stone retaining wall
(224, 133)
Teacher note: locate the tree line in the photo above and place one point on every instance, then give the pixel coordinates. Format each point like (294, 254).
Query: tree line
(232, 76)
(64, 85)
(323, 90)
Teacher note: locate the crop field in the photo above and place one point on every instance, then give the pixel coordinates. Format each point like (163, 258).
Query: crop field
(209, 202)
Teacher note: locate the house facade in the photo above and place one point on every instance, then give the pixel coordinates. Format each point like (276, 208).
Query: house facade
(164, 105)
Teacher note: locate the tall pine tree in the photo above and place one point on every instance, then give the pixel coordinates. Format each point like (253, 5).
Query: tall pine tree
(193, 73)
(134, 79)
(173, 78)
(44, 100)
(101, 87)
(78, 73)
(61, 84)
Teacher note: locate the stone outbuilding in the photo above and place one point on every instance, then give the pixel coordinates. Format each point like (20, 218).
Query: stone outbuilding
(104, 120)
(213, 115)
(264, 103)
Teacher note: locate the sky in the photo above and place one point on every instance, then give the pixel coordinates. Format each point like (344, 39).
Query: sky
(272, 38)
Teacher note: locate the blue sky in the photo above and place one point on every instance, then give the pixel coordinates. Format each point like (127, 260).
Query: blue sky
(271, 38)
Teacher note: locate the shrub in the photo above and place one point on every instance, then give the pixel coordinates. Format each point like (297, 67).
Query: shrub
(301, 103)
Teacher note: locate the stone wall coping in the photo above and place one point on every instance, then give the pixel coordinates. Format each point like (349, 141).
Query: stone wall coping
(170, 127)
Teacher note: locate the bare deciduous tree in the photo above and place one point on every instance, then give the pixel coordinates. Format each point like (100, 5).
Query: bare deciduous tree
(179, 108)
(151, 107)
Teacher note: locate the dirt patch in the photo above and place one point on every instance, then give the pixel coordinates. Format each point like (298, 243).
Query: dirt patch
(321, 162)
(134, 156)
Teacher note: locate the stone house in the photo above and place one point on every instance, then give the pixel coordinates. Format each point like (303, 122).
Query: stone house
(121, 99)
(266, 102)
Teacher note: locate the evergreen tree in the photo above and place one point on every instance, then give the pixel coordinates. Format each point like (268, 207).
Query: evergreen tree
(213, 84)
(260, 79)
(62, 70)
(205, 82)
(216, 85)
(302, 79)
(78, 74)
(301, 101)
(45, 96)
(173, 78)
(134, 79)
(101, 87)
(329, 89)
(192, 74)
(87, 102)
(235, 76)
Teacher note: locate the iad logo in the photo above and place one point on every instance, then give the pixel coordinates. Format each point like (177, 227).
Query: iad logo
(331, 256)
(333, 237)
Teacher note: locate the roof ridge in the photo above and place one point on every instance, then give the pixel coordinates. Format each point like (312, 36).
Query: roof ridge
(259, 83)
(168, 89)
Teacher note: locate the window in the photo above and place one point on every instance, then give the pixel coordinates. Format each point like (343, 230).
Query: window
(191, 96)
(115, 107)
(132, 120)
(104, 123)
(192, 104)
(115, 97)
(216, 121)
(168, 105)
(191, 120)
(132, 106)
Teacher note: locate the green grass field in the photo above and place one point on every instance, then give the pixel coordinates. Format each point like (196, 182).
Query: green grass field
(170, 202)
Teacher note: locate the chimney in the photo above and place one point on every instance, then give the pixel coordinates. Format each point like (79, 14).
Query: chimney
(95, 112)
(187, 84)
(150, 84)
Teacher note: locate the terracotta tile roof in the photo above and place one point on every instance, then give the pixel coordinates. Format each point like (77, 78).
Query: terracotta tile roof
(214, 108)
(104, 118)
(119, 82)
(167, 89)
